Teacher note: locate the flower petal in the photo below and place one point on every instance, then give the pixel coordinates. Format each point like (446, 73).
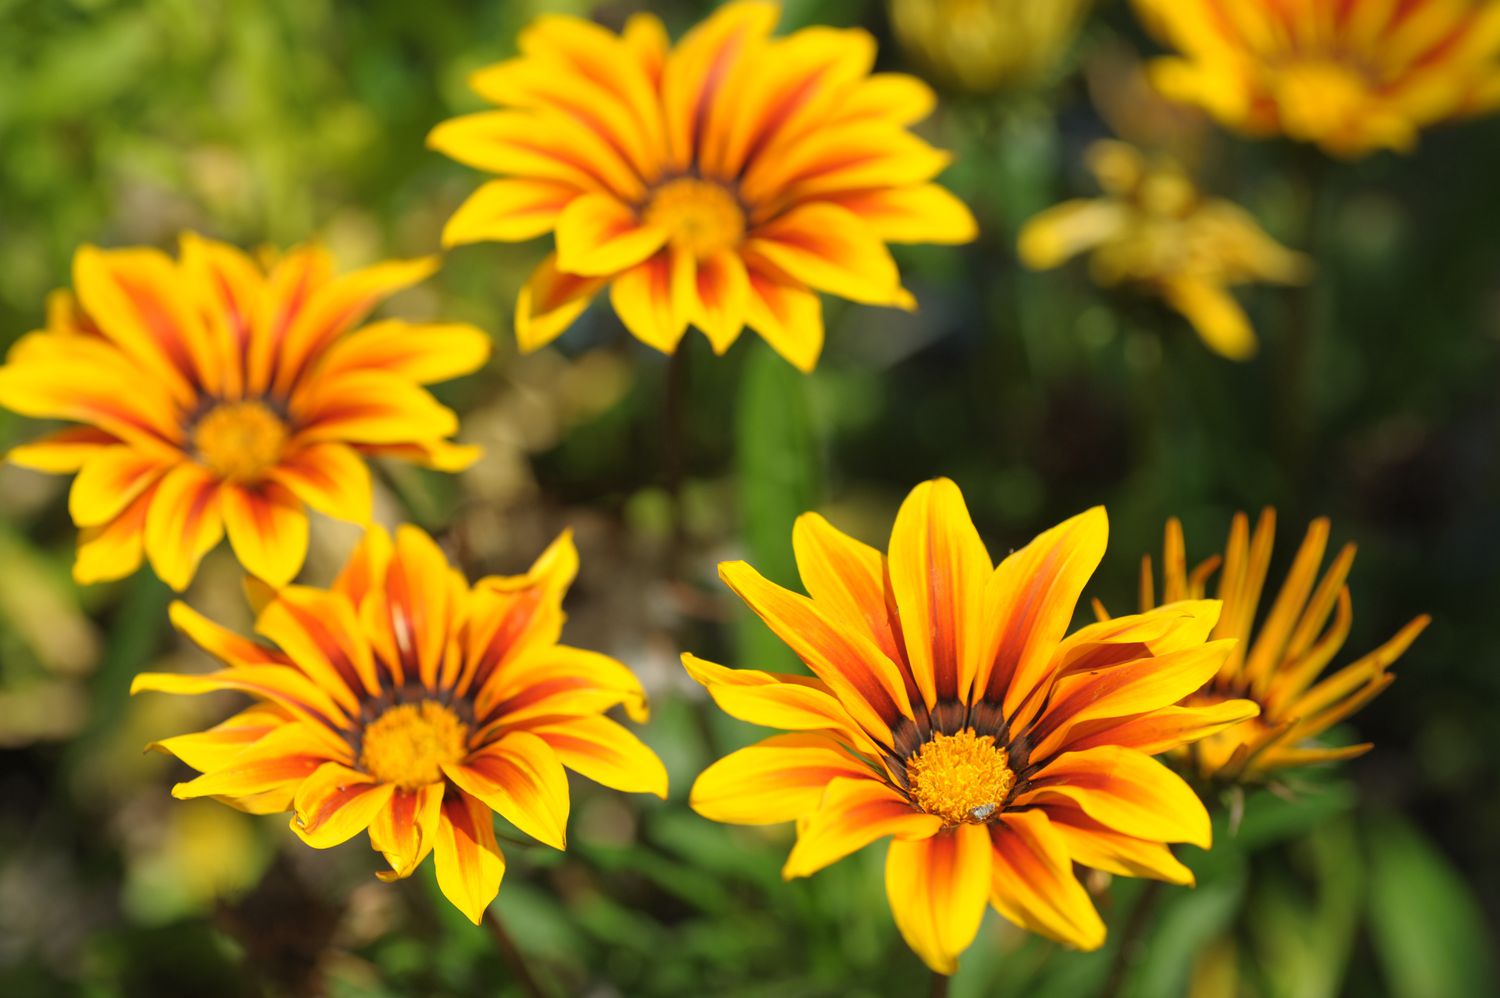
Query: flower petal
(336, 803)
(469, 863)
(426, 352)
(774, 700)
(782, 778)
(331, 478)
(550, 302)
(521, 779)
(1033, 883)
(183, 523)
(109, 481)
(320, 633)
(606, 753)
(937, 889)
(62, 452)
(828, 248)
(1092, 844)
(1213, 312)
(925, 213)
(268, 530)
(1168, 728)
(853, 813)
(598, 236)
(406, 829)
(369, 407)
(508, 211)
(1125, 789)
(785, 314)
(114, 550)
(721, 299)
(653, 298)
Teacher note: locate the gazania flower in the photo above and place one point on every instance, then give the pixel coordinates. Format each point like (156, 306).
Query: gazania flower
(720, 183)
(213, 396)
(405, 702)
(1282, 668)
(952, 713)
(1154, 230)
(982, 46)
(1352, 76)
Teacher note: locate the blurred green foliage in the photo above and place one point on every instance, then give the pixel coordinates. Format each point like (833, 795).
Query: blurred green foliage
(1376, 400)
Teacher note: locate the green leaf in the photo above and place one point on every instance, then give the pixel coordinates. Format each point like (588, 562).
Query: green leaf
(1429, 932)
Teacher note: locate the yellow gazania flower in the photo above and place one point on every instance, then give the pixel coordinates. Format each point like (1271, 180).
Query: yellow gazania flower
(1153, 229)
(215, 396)
(982, 46)
(951, 712)
(720, 183)
(1352, 76)
(405, 702)
(1280, 668)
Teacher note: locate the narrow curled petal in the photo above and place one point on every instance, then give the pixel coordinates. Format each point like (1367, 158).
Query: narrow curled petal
(937, 889)
(405, 830)
(336, 803)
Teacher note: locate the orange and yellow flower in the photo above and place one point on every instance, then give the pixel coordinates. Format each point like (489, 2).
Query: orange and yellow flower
(1282, 667)
(406, 702)
(983, 46)
(1155, 231)
(214, 396)
(951, 711)
(718, 184)
(1352, 76)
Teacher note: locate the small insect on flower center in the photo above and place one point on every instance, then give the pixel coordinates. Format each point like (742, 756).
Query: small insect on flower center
(960, 778)
(409, 743)
(239, 441)
(702, 217)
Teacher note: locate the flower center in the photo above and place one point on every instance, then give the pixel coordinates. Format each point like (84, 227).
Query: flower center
(408, 744)
(239, 441)
(702, 217)
(1316, 97)
(960, 778)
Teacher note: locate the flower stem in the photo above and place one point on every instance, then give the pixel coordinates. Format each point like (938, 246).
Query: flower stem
(939, 987)
(510, 954)
(675, 447)
(1141, 917)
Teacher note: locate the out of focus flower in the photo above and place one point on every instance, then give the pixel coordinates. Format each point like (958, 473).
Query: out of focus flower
(1281, 665)
(983, 46)
(216, 397)
(951, 713)
(1153, 229)
(719, 184)
(406, 702)
(1352, 76)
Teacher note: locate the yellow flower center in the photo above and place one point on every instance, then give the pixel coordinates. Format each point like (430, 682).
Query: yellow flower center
(1317, 97)
(960, 778)
(408, 744)
(239, 441)
(702, 217)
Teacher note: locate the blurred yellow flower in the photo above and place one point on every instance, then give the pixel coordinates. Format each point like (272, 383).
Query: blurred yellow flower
(983, 46)
(214, 397)
(1155, 230)
(1280, 667)
(720, 183)
(406, 702)
(1352, 76)
(951, 712)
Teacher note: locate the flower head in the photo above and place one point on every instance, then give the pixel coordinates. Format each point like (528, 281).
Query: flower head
(982, 46)
(952, 712)
(720, 183)
(406, 702)
(1154, 230)
(1352, 76)
(1282, 666)
(214, 396)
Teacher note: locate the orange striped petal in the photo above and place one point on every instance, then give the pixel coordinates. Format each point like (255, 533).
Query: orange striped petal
(290, 753)
(183, 524)
(836, 158)
(606, 753)
(1127, 790)
(420, 603)
(331, 478)
(426, 352)
(1116, 640)
(281, 685)
(828, 248)
(1090, 843)
(847, 579)
(469, 863)
(560, 682)
(925, 213)
(786, 315)
(115, 549)
(854, 813)
(544, 144)
(508, 211)
(894, 97)
(1029, 603)
(696, 69)
(108, 482)
(550, 302)
(62, 452)
(653, 299)
(370, 407)
(213, 749)
(366, 566)
(867, 683)
(228, 285)
(336, 803)
(773, 700)
(520, 778)
(721, 299)
(1169, 727)
(219, 641)
(406, 829)
(440, 455)
(780, 779)
(598, 236)
(510, 616)
(1033, 883)
(268, 529)
(938, 569)
(297, 276)
(320, 633)
(937, 888)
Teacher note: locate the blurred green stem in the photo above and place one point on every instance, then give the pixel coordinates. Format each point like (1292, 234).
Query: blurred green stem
(674, 450)
(1142, 915)
(511, 955)
(939, 987)
(1310, 314)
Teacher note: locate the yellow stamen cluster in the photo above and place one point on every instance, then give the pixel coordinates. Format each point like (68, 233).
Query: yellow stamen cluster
(702, 217)
(409, 743)
(239, 441)
(960, 778)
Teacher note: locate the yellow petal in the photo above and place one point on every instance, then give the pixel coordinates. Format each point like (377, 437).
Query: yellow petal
(780, 779)
(469, 863)
(1033, 883)
(937, 889)
(854, 813)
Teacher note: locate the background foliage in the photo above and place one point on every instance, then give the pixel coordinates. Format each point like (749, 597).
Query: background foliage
(1374, 401)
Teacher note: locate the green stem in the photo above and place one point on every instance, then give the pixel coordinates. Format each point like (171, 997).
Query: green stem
(1141, 917)
(939, 987)
(510, 953)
